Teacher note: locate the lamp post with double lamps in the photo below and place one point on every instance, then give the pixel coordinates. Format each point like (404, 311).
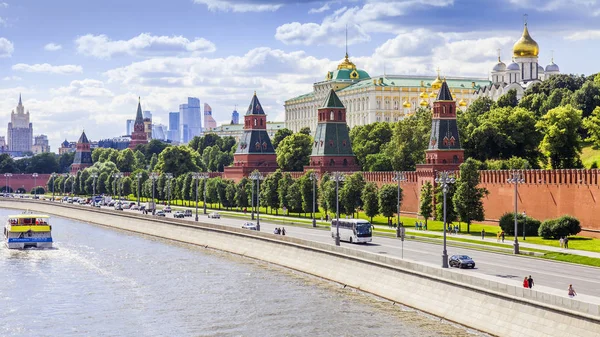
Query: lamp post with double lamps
(94, 177)
(153, 176)
(53, 176)
(524, 223)
(66, 175)
(169, 177)
(116, 191)
(139, 177)
(257, 176)
(398, 177)
(7, 178)
(445, 180)
(72, 184)
(34, 175)
(337, 177)
(516, 179)
(314, 177)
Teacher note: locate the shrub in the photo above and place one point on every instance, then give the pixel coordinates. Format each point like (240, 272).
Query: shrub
(507, 223)
(564, 226)
(40, 190)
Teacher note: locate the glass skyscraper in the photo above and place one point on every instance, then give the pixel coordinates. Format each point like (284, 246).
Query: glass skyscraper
(173, 133)
(190, 122)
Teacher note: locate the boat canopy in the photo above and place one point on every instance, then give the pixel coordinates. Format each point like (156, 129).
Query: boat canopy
(29, 216)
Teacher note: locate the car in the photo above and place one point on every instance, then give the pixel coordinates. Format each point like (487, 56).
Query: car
(134, 207)
(118, 207)
(167, 209)
(179, 214)
(126, 206)
(461, 261)
(214, 215)
(98, 204)
(111, 203)
(251, 226)
(188, 212)
(160, 213)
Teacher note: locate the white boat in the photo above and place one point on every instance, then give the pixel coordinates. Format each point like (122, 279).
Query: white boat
(28, 230)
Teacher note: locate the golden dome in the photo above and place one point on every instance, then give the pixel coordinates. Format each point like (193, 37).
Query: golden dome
(526, 46)
(432, 95)
(423, 95)
(462, 103)
(423, 103)
(437, 83)
(346, 64)
(406, 104)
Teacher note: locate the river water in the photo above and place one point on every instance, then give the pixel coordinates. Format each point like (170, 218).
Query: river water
(104, 282)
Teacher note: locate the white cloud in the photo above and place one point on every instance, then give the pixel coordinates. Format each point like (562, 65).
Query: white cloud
(321, 9)
(3, 4)
(373, 16)
(553, 5)
(84, 88)
(12, 78)
(47, 68)
(584, 35)
(240, 6)
(101, 46)
(6, 47)
(52, 47)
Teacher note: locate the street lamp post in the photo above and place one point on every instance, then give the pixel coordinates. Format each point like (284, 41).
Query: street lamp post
(169, 177)
(337, 177)
(138, 176)
(398, 177)
(197, 177)
(204, 176)
(7, 177)
(314, 177)
(153, 176)
(66, 175)
(73, 184)
(445, 179)
(516, 179)
(256, 175)
(53, 176)
(34, 175)
(94, 177)
(524, 223)
(116, 185)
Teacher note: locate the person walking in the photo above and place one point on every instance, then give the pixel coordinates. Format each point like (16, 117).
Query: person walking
(525, 283)
(502, 236)
(566, 242)
(561, 241)
(572, 292)
(530, 282)
(282, 230)
(498, 236)
(483, 234)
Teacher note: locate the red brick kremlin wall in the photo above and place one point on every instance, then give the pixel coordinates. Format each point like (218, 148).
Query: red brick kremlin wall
(24, 180)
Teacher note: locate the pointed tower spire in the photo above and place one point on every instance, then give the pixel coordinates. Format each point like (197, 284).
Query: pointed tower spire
(20, 102)
(346, 41)
(444, 94)
(139, 117)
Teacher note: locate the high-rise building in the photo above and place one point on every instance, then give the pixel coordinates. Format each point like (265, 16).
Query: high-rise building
(20, 130)
(235, 117)
(129, 127)
(139, 135)
(159, 131)
(190, 124)
(148, 124)
(40, 144)
(173, 134)
(3, 146)
(209, 121)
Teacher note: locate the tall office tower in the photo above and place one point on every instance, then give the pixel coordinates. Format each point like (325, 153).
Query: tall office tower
(159, 131)
(40, 144)
(129, 127)
(148, 124)
(209, 121)
(235, 117)
(190, 124)
(173, 133)
(20, 130)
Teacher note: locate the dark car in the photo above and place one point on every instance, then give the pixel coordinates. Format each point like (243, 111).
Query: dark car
(461, 261)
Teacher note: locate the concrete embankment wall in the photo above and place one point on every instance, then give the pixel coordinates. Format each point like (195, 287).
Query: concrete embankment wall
(482, 304)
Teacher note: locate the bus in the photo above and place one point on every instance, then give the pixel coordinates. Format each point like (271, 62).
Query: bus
(352, 230)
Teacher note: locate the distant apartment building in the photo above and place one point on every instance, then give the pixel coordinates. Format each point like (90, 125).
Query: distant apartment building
(190, 123)
(209, 121)
(40, 144)
(129, 127)
(20, 131)
(118, 143)
(237, 130)
(173, 133)
(3, 146)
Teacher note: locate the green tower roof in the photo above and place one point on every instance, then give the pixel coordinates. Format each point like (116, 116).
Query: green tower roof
(332, 101)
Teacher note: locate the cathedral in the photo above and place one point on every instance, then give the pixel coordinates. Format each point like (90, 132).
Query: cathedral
(522, 72)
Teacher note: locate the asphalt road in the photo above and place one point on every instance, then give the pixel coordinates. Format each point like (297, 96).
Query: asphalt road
(557, 275)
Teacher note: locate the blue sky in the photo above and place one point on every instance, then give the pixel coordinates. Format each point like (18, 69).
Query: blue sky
(82, 64)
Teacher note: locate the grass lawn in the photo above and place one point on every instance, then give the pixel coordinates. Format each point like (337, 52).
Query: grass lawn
(589, 155)
(588, 261)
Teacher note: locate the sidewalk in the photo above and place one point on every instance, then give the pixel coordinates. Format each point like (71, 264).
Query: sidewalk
(488, 238)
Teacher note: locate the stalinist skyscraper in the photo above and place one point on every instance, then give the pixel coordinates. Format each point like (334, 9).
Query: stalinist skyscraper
(20, 130)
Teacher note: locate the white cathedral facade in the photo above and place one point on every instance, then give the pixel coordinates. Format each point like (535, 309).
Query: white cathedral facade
(522, 72)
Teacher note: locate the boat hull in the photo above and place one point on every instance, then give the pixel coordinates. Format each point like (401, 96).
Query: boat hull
(28, 243)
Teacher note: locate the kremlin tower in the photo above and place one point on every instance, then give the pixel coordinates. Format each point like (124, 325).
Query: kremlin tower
(139, 135)
(83, 154)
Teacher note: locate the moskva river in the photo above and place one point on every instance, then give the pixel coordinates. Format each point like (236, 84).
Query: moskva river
(104, 282)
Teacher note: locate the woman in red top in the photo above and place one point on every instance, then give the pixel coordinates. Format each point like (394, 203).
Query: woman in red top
(525, 283)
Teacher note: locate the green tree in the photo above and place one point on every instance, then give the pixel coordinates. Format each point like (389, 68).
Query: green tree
(306, 189)
(269, 193)
(153, 162)
(126, 160)
(350, 194)
(469, 119)
(451, 215)
(282, 189)
(426, 202)
(280, 135)
(592, 126)
(294, 196)
(305, 130)
(369, 140)
(293, 152)
(408, 145)
(178, 160)
(134, 181)
(97, 153)
(508, 100)
(562, 142)
(370, 200)
(587, 98)
(65, 160)
(467, 199)
(388, 200)
(126, 186)
(7, 164)
(43, 163)
(323, 196)
(241, 195)
(229, 194)
(140, 160)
